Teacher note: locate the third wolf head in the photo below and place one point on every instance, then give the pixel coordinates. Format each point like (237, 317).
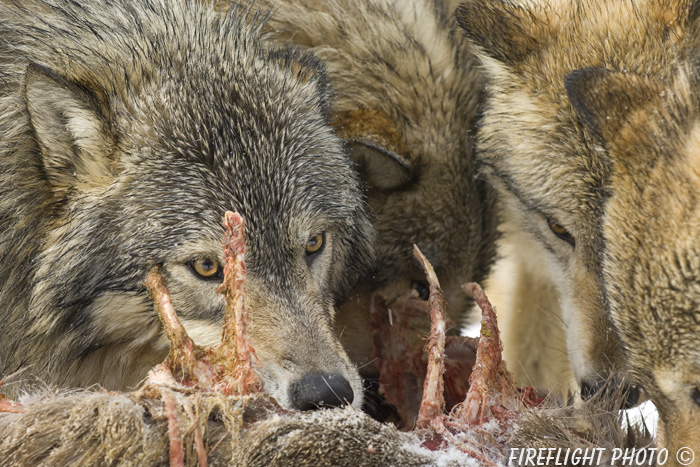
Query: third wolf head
(555, 184)
(650, 134)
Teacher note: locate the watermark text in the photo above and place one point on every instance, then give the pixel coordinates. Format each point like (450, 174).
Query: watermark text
(523, 457)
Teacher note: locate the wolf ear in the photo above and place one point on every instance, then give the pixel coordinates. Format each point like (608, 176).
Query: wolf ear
(504, 30)
(607, 100)
(378, 167)
(69, 128)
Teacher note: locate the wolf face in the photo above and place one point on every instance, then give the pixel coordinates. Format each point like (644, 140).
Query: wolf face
(555, 184)
(651, 264)
(128, 131)
(405, 91)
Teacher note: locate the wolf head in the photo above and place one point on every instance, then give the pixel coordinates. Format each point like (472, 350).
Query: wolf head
(650, 132)
(405, 89)
(129, 129)
(554, 183)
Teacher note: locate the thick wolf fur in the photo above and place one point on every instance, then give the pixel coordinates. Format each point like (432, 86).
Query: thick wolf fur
(533, 146)
(128, 129)
(406, 92)
(550, 176)
(650, 131)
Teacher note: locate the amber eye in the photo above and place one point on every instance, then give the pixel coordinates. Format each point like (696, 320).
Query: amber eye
(422, 289)
(206, 268)
(315, 244)
(696, 395)
(561, 232)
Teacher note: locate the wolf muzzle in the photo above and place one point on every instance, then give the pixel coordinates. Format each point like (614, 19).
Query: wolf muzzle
(628, 394)
(321, 390)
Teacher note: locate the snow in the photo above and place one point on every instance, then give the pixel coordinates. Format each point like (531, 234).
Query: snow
(644, 413)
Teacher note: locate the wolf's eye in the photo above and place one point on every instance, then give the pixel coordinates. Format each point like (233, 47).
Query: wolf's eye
(422, 289)
(206, 268)
(561, 232)
(696, 395)
(315, 244)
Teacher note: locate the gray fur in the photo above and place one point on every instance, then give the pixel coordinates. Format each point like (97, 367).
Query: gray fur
(86, 428)
(128, 129)
(406, 92)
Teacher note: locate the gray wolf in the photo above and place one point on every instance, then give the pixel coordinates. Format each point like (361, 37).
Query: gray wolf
(120, 120)
(406, 92)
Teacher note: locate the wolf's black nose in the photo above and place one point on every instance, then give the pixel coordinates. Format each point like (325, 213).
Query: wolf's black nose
(321, 390)
(628, 395)
(591, 388)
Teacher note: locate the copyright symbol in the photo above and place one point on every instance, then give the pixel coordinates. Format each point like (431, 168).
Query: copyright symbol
(685, 456)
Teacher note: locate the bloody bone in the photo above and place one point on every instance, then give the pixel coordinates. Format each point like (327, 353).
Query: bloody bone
(236, 346)
(184, 354)
(490, 381)
(177, 456)
(492, 393)
(228, 367)
(432, 418)
(402, 357)
(433, 402)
